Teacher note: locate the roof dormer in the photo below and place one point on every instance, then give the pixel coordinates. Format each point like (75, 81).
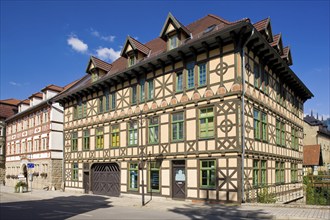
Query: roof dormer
(173, 32)
(35, 98)
(277, 43)
(134, 51)
(97, 68)
(287, 55)
(265, 28)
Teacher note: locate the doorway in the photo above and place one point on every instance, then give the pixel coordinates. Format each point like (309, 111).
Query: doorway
(179, 179)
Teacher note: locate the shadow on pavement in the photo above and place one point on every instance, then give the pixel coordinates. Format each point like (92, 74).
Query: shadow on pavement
(55, 208)
(218, 212)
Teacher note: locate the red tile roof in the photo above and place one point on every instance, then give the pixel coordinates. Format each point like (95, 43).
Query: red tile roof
(8, 107)
(26, 102)
(37, 95)
(312, 155)
(276, 40)
(53, 87)
(98, 63)
(139, 46)
(261, 25)
(10, 101)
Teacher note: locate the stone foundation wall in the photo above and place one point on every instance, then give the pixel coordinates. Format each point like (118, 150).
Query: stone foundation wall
(48, 173)
(2, 173)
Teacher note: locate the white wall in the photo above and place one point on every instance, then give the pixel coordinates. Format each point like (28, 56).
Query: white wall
(56, 113)
(50, 94)
(55, 140)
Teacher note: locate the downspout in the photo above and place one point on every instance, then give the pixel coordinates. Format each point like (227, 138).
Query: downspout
(242, 111)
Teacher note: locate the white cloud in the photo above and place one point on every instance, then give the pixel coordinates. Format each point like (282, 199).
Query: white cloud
(77, 44)
(97, 34)
(14, 83)
(107, 54)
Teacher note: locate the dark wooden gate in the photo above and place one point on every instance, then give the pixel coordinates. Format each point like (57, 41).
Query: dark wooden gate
(106, 179)
(179, 179)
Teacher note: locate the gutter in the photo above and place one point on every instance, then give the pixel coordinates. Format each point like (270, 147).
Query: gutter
(242, 110)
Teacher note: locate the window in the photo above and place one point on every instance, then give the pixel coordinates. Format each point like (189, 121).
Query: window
(150, 89)
(104, 102)
(190, 75)
(264, 126)
(86, 140)
(177, 126)
(283, 134)
(266, 82)
(74, 141)
(154, 168)
(99, 138)
(179, 81)
(44, 118)
(131, 60)
(113, 101)
(294, 139)
(259, 173)
(142, 89)
(153, 130)
(256, 124)
(94, 76)
(206, 123)
(18, 148)
(256, 75)
(36, 145)
(23, 146)
(115, 142)
(279, 172)
(173, 42)
(202, 74)
(30, 146)
(207, 173)
(75, 112)
(44, 143)
(132, 133)
(75, 171)
(133, 176)
(294, 172)
(260, 125)
(133, 94)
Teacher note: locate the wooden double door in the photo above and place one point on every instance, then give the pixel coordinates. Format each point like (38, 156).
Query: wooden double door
(179, 179)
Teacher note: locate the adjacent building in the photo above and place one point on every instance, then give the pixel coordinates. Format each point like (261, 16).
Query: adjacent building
(8, 107)
(205, 111)
(35, 136)
(316, 140)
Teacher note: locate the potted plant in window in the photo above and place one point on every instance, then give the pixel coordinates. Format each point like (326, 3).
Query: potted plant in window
(43, 174)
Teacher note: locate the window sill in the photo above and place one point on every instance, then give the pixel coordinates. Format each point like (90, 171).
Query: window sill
(207, 188)
(177, 141)
(205, 138)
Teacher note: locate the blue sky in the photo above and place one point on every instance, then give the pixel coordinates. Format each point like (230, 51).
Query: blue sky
(49, 42)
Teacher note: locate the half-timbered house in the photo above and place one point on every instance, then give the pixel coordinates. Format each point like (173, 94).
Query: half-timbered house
(205, 111)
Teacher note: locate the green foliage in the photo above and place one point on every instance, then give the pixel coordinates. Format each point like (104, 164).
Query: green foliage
(20, 184)
(264, 196)
(318, 194)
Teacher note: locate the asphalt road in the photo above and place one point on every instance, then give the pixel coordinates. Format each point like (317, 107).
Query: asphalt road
(29, 206)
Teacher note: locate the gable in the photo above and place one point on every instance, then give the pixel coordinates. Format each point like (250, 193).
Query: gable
(170, 28)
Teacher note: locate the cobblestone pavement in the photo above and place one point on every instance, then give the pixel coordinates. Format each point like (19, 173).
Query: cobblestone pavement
(187, 209)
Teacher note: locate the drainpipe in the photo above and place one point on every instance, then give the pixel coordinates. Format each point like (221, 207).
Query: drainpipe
(242, 111)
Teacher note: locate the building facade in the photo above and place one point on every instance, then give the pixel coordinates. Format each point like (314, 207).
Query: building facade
(35, 136)
(316, 134)
(207, 111)
(8, 108)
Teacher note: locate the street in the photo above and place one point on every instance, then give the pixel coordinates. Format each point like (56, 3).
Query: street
(62, 205)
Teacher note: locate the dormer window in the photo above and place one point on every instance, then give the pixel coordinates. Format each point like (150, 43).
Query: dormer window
(94, 76)
(173, 42)
(131, 60)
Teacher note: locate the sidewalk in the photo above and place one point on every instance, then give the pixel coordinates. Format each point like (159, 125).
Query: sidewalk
(205, 211)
